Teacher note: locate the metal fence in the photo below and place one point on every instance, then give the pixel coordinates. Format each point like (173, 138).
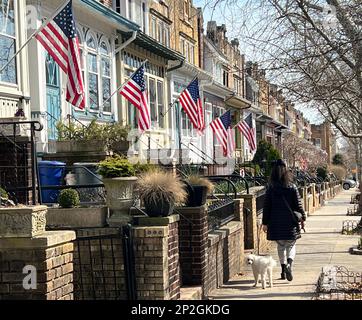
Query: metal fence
(338, 283)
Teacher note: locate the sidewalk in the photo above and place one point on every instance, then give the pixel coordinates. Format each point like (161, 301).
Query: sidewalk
(322, 245)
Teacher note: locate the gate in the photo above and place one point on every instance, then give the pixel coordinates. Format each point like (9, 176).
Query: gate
(104, 265)
(18, 161)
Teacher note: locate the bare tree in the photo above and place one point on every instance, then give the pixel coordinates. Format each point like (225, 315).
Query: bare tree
(313, 49)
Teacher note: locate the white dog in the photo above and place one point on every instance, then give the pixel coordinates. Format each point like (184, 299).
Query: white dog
(262, 265)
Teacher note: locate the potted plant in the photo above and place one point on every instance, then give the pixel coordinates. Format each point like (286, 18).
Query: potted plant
(198, 189)
(68, 198)
(92, 138)
(160, 192)
(70, 214)
(119, 178)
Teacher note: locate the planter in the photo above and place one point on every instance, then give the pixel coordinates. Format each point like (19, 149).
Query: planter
(119, 192)
(93, 217)
(80, 146)
(197, 196)
(120, 147)
(22, 222)
(159, 209)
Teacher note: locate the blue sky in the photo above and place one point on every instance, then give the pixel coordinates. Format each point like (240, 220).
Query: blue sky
(224, 14)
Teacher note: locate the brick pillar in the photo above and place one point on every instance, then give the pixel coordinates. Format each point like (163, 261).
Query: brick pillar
(157, 258)
(250, 222)
(24, 243)
(239, 216)
(193, 245)
(314, 196)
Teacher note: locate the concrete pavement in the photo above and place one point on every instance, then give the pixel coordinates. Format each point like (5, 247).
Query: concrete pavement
(322, 245)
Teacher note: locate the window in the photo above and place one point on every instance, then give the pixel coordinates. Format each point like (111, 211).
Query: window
(106, 77)
(155, 84)
(187, 9)
(153, 27)
(160, 104)
(144, 17)
(225, 75)
(187, 49)
(130, 9)
(92, 74)
(118, 6)
(318, 142)
(7, 41)
(182, 46)
(167, 36)
(160, 32)
(96, 64)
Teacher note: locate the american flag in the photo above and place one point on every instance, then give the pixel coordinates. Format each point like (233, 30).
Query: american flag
(135, 92)
(247, 129)
(224, 133)
(59, 38)
(192, 105)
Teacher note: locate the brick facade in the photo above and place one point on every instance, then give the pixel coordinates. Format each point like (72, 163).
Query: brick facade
(224, 255)
(54, 267)
(157, 267)
(193, 245)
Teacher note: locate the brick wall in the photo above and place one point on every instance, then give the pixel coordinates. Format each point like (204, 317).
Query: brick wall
(107, 3)
(193, 245)
(99, 265)
(54, 266)
(224, 258)
(174, 262)
(156, 258)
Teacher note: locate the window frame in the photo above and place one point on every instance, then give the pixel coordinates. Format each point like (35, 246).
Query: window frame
(129, 70)
(85, 69)
(15, 40)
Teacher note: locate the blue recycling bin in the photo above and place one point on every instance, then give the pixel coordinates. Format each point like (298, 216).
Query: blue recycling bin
(51, 173)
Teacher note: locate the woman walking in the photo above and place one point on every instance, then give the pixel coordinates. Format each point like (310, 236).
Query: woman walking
(281, 216)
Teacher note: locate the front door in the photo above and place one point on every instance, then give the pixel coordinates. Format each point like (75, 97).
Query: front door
(53, 97)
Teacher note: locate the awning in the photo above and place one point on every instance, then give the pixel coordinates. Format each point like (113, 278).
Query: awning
(150, 44)
(238, 102)
(122, 23)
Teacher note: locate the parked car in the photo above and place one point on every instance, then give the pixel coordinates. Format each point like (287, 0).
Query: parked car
(348, 184)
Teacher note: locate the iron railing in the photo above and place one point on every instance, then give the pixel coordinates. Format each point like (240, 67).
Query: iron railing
(338, 283)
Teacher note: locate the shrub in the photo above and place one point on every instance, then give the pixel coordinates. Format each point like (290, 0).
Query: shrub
(159, 186)
(339, 171)
(338, 160)
(265, 155)
(196, 180)
(322, 173)
(116, 167)
(110, 134)
(69, 198)
(4, 194)
(141, 168)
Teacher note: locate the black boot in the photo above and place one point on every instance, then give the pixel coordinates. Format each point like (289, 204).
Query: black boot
(288, 270)
(283, 275)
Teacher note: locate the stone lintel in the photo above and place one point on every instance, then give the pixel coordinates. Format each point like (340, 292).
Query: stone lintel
(155, 221)
(44, 240)
(151, 232)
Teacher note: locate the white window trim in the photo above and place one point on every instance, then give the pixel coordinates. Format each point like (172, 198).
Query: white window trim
(85, 71)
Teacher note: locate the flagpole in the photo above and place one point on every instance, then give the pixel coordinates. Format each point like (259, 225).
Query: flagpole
(122, 85)
(60, 8)
(173, 103)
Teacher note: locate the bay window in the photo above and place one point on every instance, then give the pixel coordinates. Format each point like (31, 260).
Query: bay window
(96, 61)
(7, 41)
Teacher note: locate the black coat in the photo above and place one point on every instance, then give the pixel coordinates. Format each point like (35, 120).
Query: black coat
(277, 216)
